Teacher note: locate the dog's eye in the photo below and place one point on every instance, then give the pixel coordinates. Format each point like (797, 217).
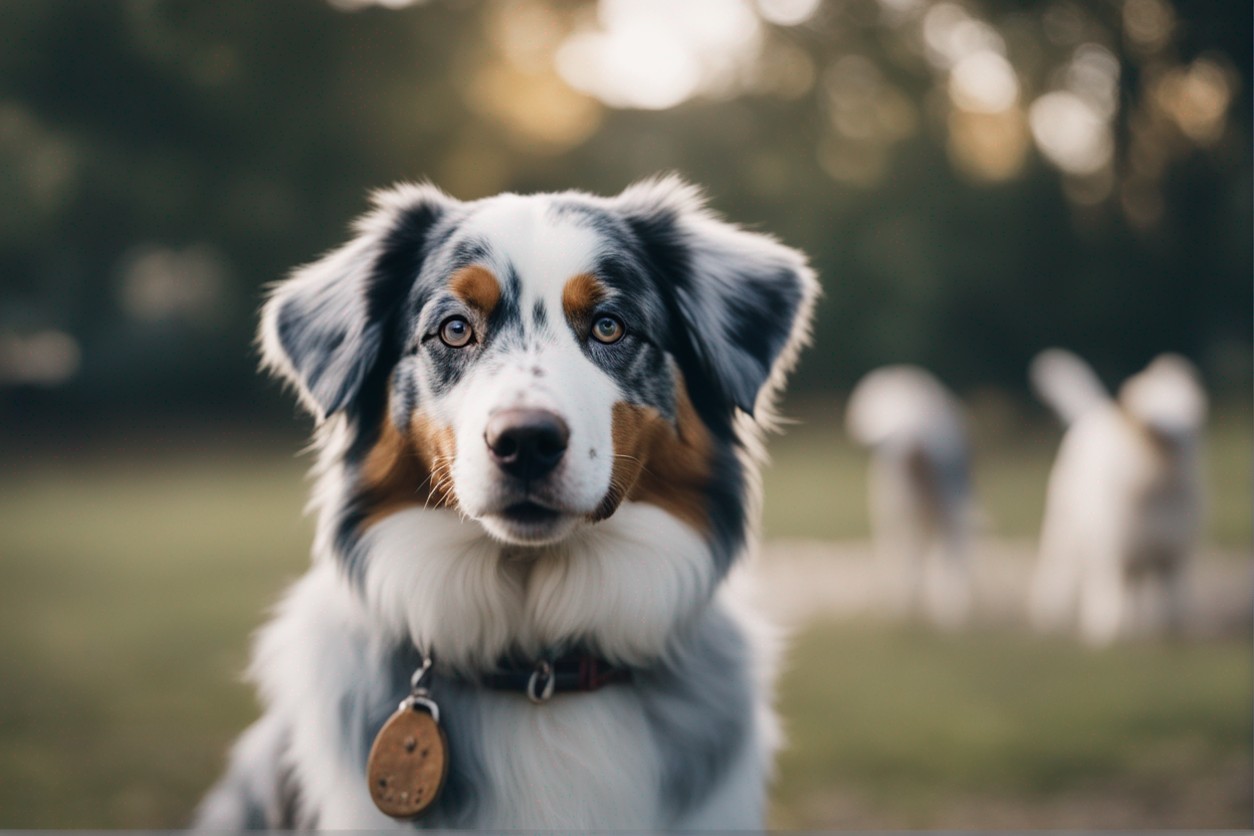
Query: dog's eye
(456, 332)
(608, 329)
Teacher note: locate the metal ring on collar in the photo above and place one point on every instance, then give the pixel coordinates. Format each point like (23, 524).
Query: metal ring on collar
(542, 674)
(417, 682)
(423, 704)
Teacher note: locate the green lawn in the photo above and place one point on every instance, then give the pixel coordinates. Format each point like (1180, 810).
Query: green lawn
(896, 728)
(127, 592)
(129, 586)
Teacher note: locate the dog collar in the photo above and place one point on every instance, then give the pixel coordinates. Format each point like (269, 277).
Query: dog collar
(570, 673)
(409, 758)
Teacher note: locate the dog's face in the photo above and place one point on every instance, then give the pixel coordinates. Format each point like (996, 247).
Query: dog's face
(522, 362)
(535, 361)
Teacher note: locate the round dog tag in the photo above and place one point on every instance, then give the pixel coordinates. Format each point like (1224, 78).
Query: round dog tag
(408, 761)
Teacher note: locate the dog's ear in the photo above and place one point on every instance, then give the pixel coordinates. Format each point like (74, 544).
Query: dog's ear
(745, 300)
(322, 329)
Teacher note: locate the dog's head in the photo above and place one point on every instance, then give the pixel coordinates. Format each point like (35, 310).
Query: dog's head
(1167, 399)
(535, 361)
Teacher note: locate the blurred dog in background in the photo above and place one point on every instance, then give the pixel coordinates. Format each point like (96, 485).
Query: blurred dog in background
(1124, 504)
(920, 489)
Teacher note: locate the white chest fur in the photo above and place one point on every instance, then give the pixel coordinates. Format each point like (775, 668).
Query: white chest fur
(623, 586)
(575, 763)
(579, 762)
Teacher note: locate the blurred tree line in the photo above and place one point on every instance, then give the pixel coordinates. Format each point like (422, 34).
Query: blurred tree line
(974, 181)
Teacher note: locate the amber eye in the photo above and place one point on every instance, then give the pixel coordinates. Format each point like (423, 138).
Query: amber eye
(456, 332)
(608, 329)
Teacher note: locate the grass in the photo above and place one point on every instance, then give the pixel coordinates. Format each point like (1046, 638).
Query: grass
(895, 728)
(127, 590)
(129, 585)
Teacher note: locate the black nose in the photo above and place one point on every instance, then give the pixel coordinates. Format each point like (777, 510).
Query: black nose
(526, 443)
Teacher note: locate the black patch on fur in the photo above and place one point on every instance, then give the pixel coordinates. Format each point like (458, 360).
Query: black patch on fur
(468, 252)
(404, 393)
(312, 353)
(390, 297)
(760, 319)
(507, 315)
(668, 264)
(511, 287)
(391, 282)
(700, 711)
(725, 496)
(609, 225)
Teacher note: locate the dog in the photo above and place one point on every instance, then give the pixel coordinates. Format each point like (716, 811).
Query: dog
(1124, 504)
(920, 489)
(538, 433)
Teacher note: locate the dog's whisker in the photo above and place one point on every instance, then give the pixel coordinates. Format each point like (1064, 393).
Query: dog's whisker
(418, 488)
(643, 467)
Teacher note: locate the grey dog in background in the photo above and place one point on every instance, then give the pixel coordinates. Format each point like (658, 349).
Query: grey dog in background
(919, 489)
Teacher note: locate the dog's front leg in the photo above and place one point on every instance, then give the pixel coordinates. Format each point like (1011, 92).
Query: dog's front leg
(256, 792)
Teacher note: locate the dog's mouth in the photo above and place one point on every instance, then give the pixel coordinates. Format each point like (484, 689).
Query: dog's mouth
(529, 522)
(530, 513)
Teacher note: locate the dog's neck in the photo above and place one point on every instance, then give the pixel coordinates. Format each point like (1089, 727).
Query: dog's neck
(1180, 447)
(622, 588)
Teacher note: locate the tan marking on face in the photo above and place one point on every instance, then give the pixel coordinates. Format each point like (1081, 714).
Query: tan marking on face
(476, 286)
(664, 464)
(407, 470)
(580, 297)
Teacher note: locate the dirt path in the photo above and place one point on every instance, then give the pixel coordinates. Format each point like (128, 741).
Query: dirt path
(799, 580)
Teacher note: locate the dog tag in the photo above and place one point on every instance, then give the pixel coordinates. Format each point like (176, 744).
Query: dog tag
(409, 760)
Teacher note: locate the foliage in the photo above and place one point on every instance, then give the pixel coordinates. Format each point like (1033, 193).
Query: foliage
(164, 159)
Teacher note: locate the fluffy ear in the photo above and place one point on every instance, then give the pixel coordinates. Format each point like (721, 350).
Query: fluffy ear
(744, 298)
(323, 328)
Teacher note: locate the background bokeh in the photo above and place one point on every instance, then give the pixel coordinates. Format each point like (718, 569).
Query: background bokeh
(974, 181)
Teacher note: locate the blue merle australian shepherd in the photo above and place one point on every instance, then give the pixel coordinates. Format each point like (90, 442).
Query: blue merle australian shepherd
(538, 441)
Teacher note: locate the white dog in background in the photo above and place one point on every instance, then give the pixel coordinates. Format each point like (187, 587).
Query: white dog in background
(1124, 506)
(920, 489)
